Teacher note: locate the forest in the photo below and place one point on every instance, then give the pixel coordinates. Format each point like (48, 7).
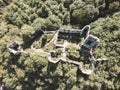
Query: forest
(32, 71)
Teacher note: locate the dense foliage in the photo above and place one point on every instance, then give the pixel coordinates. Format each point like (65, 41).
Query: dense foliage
(31, 70)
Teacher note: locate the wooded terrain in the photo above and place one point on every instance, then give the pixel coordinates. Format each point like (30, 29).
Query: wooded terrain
(32, 71)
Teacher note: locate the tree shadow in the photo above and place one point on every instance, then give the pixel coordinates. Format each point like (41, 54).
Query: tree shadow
(51, 67)
(80, 74)
(29, 39)
(30, 42)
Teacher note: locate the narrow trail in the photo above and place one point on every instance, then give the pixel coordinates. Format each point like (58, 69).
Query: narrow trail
(51, 40)
(41, 51)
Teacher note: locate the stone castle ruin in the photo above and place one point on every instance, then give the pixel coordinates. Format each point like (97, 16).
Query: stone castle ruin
(61, 40)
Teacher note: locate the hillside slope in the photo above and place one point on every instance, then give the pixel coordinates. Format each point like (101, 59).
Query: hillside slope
(32, 71)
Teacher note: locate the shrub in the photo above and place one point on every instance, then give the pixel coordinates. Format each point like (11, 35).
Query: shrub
(85, 16)
(53, 23)
(39, 22)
